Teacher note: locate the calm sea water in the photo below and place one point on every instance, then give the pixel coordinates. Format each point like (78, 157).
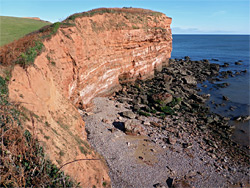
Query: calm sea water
(226, 49)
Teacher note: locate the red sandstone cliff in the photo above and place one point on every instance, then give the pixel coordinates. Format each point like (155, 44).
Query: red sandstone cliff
(79, 63)
(33, 18)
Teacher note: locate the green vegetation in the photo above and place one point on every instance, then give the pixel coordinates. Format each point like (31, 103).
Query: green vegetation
(3, 88)
(50, 60)
(53, 29)
(135, 16)
(22, 159)
(64, 126)
(25, 50)
(108, 10)
(135, 27)
(46, 137)
(90, 13)
(104, 184)
(160, 28)
(83, 150)
(7, 73)
(143, 113)
(159, 108)
(167, 110)
(3, 92)
(13, 28)
(29, 56)
(61, 153)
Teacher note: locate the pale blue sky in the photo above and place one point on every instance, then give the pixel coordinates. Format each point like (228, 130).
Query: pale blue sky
(189, 16)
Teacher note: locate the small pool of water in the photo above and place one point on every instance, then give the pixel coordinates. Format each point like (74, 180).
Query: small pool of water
(241, 133)
(237, 105)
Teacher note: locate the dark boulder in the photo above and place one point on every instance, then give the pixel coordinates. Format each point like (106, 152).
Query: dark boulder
(190, 80)
(238, 63)
(225, 98)
(215, 67)
(163, 98)
(128, 114)
(225, 65)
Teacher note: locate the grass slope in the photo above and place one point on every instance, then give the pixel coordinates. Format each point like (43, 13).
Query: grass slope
(13, 28)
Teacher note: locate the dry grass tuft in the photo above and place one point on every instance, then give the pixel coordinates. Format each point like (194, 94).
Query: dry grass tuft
(22, 160)
(27, 48)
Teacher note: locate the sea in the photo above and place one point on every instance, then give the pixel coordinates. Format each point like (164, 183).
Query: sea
(222, 49)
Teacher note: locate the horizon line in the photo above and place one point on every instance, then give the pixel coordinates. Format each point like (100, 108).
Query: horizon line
(210, 33)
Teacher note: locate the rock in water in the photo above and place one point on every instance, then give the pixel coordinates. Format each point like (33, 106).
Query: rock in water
(215, 67)
(225, 98)
(225, 65)
(190, 80)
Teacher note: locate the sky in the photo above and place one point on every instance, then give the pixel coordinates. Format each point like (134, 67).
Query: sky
(188, 16)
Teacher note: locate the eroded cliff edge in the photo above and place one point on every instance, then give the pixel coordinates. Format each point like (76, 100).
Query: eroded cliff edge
(86, 59)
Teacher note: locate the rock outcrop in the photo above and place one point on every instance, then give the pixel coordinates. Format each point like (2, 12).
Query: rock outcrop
(87, 59)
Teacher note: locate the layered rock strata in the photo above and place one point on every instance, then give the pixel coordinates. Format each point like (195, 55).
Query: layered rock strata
(80, 62)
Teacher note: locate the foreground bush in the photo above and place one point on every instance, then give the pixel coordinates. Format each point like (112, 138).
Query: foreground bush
(22, 160)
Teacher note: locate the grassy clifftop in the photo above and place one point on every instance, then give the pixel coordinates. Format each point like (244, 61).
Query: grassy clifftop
(26, 47)
(13, 28)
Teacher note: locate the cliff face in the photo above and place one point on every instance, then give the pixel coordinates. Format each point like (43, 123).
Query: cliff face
(79, 63)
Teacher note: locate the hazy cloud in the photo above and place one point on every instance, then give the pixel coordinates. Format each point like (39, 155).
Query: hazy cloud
(180, 30)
